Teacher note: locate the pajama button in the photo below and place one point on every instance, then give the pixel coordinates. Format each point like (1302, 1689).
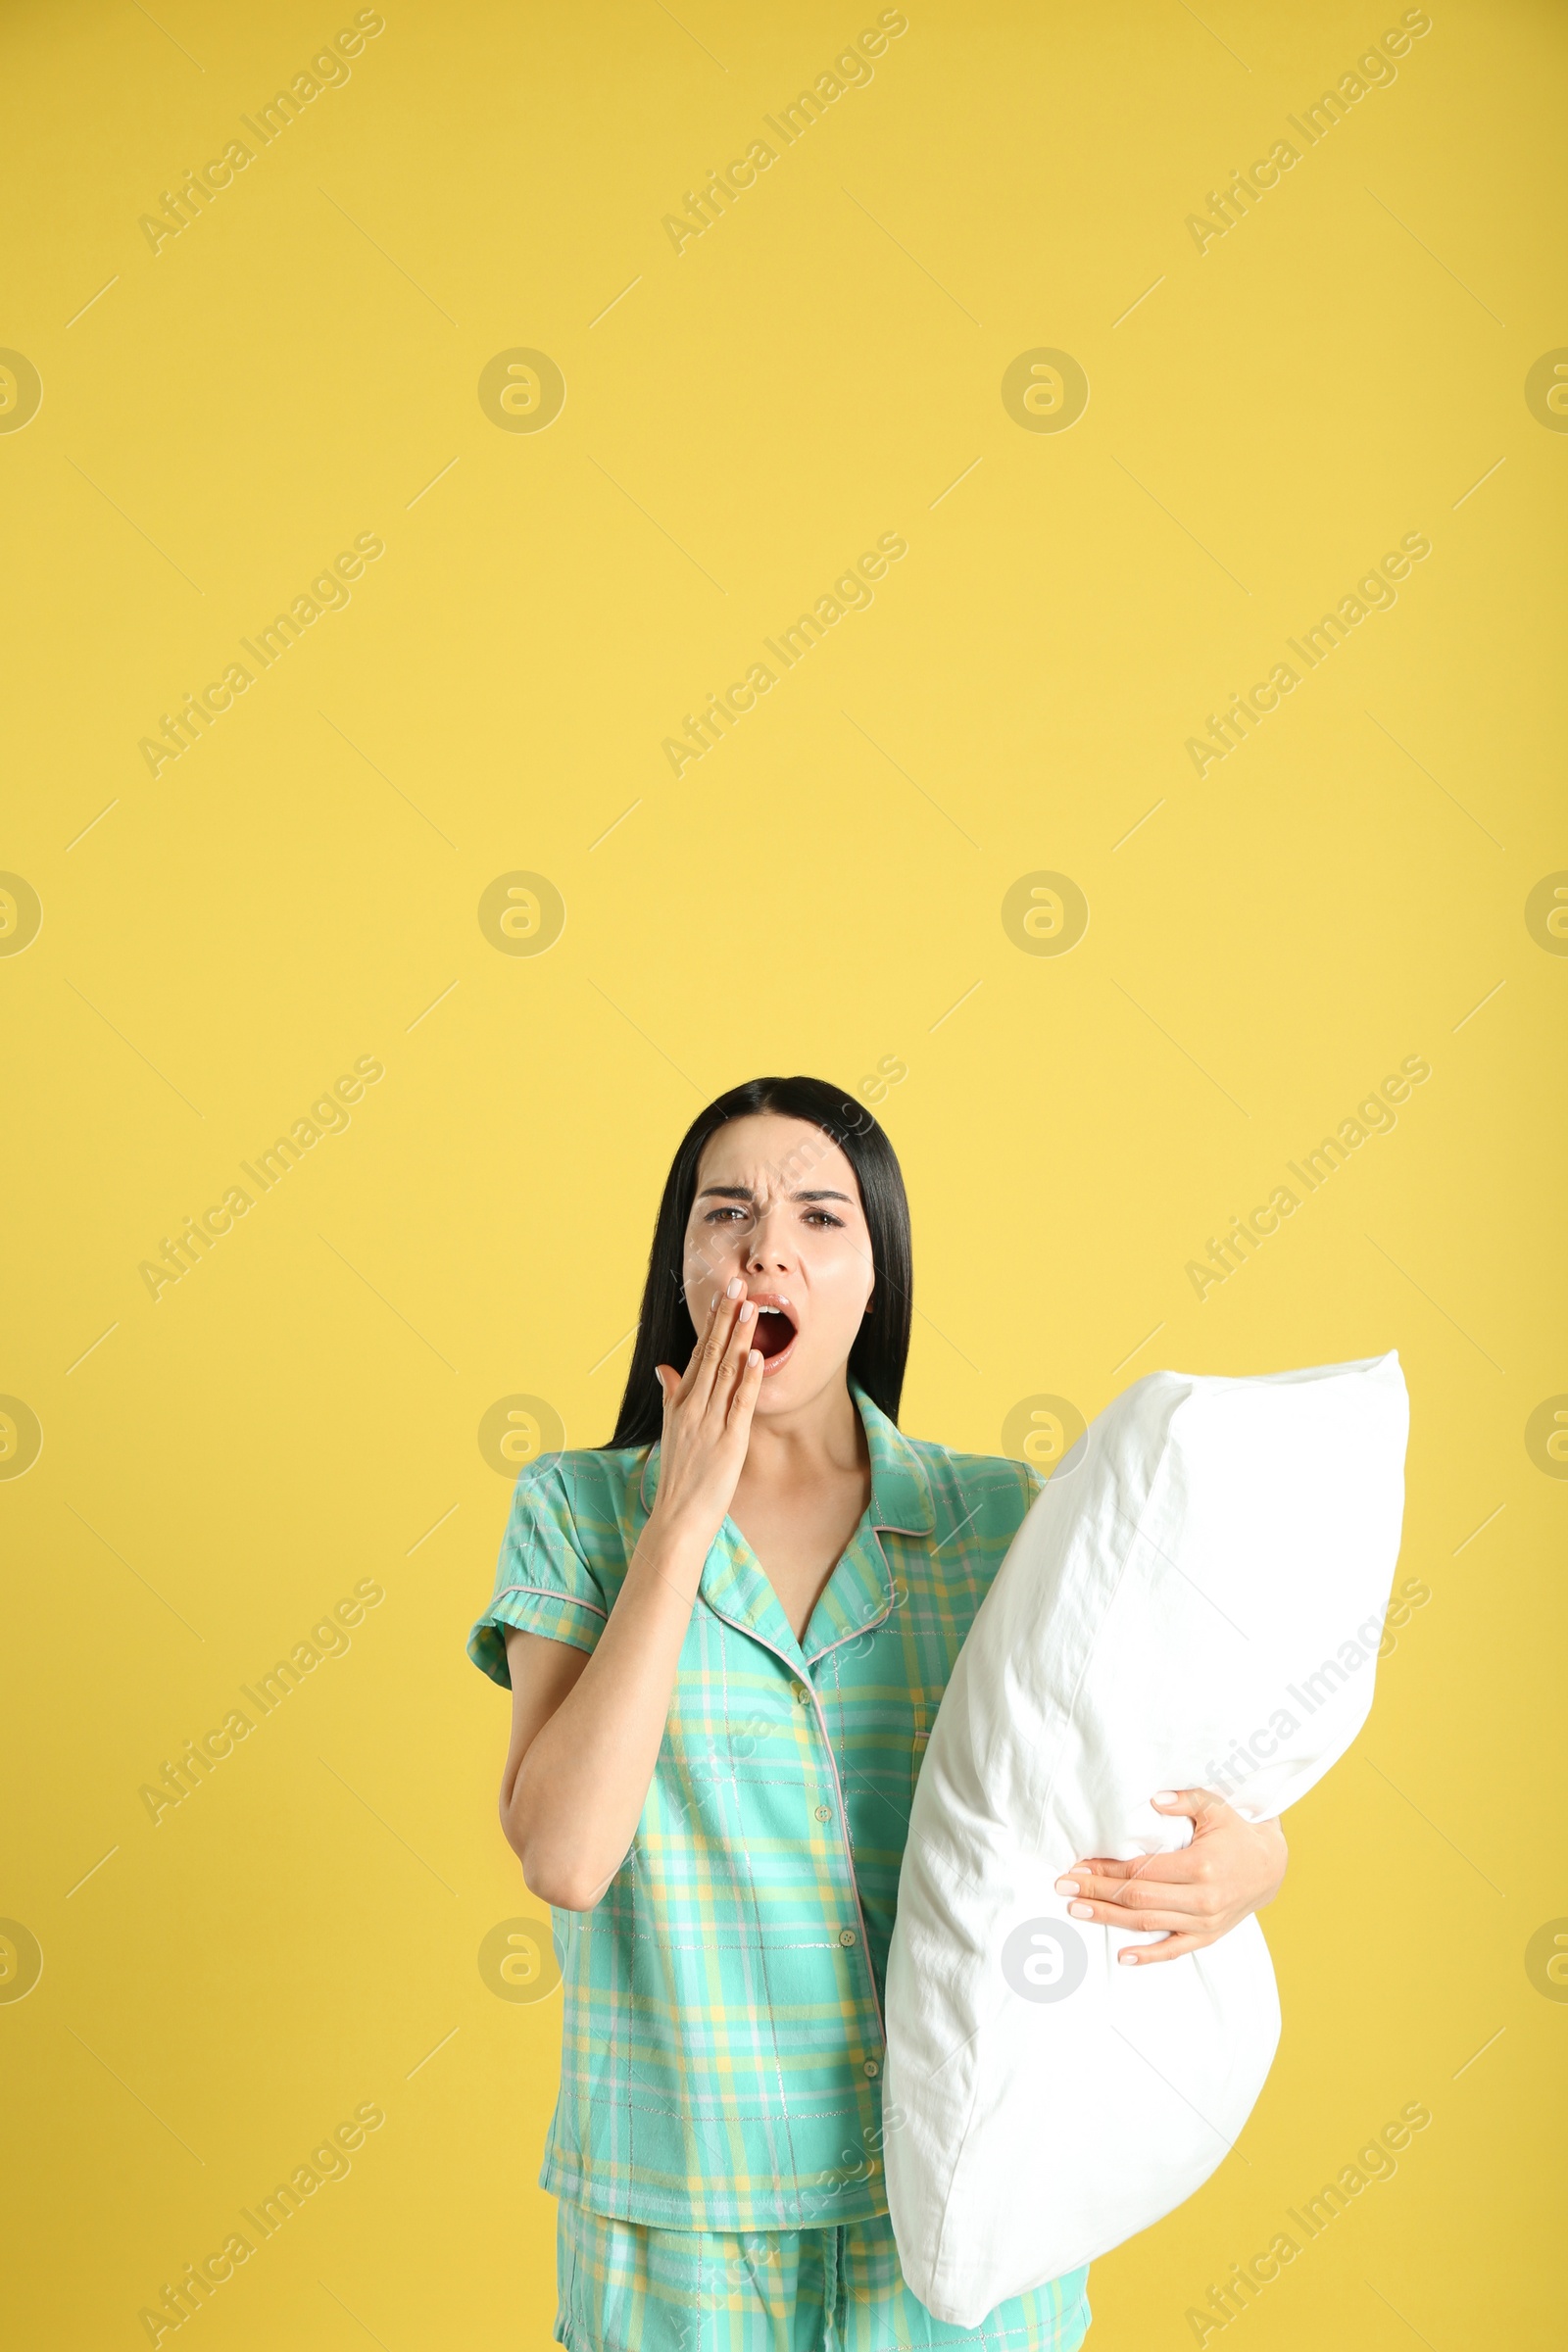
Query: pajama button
(871, 2067)
(845, 1935)
(824, 1812)
(801, 1693)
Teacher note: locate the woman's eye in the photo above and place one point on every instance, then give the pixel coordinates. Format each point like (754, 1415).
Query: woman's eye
(824, 1215)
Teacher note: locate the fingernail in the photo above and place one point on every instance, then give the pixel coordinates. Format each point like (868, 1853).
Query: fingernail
(747, 1311)
(1068, 1887)
(732, 1289)
(755, 1356)
(1082, 1910)
(1164, 1797)
(1128, 1959)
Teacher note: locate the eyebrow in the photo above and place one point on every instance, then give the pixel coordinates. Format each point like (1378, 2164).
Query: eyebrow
(744, 1192)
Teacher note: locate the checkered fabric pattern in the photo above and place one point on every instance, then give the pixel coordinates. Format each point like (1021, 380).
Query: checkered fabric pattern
(626, 2286)
(722, 2038)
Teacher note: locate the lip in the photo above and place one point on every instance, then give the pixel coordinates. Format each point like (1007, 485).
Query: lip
(776, 1364)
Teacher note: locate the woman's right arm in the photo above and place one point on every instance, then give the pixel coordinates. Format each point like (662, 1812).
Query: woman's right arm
(586, 1728)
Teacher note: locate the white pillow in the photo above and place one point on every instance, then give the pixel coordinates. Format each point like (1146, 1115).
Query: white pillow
(1195, 1600)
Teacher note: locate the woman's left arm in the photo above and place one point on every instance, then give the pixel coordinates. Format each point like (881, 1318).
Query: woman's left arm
(1198, 1893)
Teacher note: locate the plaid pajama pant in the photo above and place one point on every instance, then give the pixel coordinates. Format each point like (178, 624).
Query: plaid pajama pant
(632, 2286)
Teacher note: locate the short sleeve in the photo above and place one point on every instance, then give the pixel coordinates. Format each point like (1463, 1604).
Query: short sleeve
(544, 1583)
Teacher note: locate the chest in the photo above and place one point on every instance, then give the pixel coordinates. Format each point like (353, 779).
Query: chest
(798, 1536)
(756, 1738)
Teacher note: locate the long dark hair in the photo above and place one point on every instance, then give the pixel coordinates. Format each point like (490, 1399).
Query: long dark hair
(666, 1333)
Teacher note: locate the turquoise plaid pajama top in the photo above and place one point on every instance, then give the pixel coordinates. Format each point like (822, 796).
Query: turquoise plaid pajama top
(722, 2036)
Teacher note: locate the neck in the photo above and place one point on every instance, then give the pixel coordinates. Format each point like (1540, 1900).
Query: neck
(822, 1434)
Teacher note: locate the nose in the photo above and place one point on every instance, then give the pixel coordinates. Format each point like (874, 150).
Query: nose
(767, 1249)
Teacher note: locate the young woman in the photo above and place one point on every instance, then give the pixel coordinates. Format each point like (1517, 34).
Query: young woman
(726, 1634)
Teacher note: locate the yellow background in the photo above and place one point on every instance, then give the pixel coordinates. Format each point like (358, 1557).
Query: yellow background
(299, 365)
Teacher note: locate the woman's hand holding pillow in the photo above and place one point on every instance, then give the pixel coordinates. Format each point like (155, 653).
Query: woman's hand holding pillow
(1196, 1895)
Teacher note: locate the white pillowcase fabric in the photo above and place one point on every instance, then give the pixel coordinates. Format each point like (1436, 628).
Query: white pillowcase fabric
(1195, 1600)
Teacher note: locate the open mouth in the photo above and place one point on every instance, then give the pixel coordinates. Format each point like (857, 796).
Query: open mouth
(775, 1336)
